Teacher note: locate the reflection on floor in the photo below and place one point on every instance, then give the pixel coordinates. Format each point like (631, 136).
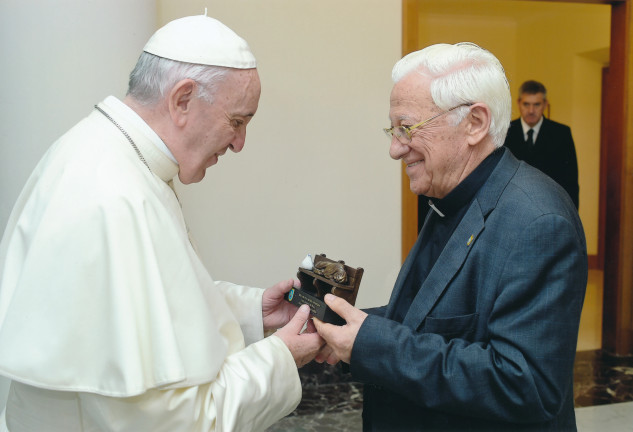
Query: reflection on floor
(590, 333)
(601, 379)
(333, 402)
(607, 418)
(603, 385)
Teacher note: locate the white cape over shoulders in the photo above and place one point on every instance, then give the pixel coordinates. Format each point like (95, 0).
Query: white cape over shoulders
(110, 297)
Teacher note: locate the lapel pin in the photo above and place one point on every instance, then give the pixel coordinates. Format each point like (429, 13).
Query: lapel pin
(470, 240)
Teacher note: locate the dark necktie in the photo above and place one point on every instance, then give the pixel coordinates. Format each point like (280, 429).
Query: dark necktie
(530, 139)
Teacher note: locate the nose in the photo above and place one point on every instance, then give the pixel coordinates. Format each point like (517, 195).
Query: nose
(397, 150)
(238, 142)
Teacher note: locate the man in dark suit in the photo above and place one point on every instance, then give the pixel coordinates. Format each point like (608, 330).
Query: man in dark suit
(480, 331)
(550, 146)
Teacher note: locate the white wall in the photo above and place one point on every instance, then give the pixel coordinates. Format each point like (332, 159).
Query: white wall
(57, 60)
(315, 175)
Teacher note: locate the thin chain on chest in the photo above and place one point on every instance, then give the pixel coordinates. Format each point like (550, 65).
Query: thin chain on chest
(129, 138)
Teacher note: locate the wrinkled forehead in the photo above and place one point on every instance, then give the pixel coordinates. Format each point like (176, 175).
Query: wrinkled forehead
(240, 83)
(411, 93)
(246, 78)
(239, 93)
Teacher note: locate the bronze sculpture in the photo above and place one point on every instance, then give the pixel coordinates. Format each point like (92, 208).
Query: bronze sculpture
(331, 270)
(326, 276)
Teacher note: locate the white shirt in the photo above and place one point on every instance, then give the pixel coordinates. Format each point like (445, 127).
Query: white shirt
(536, 128)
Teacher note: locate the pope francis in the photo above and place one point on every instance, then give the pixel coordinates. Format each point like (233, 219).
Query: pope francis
(108, 319)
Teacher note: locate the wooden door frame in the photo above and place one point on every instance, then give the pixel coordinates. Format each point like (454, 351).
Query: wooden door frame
(617, 328)
(617, 321)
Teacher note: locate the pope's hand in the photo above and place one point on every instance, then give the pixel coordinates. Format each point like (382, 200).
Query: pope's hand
(277, 312)
(303, 346)
(340, 339)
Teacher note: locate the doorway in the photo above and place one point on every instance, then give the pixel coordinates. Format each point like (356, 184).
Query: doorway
(528, 39)
(525, 36)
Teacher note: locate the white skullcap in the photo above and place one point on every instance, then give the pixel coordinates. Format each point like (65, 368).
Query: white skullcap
(201, 40)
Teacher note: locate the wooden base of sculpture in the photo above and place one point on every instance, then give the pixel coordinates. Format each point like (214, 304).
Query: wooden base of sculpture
(326, 276)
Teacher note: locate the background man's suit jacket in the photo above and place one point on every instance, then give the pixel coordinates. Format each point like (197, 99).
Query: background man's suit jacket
(553, 153)
(490, 339)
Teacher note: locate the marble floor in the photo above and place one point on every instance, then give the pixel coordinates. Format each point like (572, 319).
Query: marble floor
(605, 418)
(603, 394)
(603, 385)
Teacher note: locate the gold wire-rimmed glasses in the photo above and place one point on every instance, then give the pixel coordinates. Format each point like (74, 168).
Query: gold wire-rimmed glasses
(403, 133)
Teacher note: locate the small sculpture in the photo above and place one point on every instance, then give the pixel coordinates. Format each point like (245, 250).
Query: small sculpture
(331, 270)
(321, 276)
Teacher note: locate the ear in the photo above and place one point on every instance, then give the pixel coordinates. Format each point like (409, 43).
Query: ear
(478, 123)
(179, 101)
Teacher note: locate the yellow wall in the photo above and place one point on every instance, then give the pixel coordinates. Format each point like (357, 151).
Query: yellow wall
(563, 45)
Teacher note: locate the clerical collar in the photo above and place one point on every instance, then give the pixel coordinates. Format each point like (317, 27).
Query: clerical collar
(466, 190)
(122, 109)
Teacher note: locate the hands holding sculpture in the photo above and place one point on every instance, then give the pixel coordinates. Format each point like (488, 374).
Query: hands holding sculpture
(339, 339)
(320, 341)
(275, 312)
(279, 314)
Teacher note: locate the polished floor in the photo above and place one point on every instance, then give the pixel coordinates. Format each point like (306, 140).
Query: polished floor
(603, 385)
(590, 332)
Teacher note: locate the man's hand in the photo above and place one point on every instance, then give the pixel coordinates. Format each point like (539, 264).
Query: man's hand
(303, 346)
(326, 355)
(276, 312)
(340, 339)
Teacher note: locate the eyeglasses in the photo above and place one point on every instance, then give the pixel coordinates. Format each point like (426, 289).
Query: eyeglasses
(403, 133)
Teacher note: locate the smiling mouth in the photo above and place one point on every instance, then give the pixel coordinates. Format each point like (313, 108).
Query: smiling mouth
(413, 164)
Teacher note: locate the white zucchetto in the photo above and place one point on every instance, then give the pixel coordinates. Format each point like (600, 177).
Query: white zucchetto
(201, 40)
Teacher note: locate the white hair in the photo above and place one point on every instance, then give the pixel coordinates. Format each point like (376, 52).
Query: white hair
(153, 77)
(463, 73)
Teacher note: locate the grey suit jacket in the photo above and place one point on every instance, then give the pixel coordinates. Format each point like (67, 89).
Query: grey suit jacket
(489, 341)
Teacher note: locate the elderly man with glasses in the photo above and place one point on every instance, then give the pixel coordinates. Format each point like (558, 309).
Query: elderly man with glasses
(481, 328)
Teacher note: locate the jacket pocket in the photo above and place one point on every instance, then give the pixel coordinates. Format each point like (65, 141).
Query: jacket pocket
(456, 326)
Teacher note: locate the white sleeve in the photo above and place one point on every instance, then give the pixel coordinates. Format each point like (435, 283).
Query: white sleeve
(246, 305)
(255, 387)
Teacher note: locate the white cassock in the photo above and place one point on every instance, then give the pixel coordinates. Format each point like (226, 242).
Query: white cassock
(108, 319)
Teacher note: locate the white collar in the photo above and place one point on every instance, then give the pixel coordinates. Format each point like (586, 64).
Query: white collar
(125, 111)
(527, 127)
